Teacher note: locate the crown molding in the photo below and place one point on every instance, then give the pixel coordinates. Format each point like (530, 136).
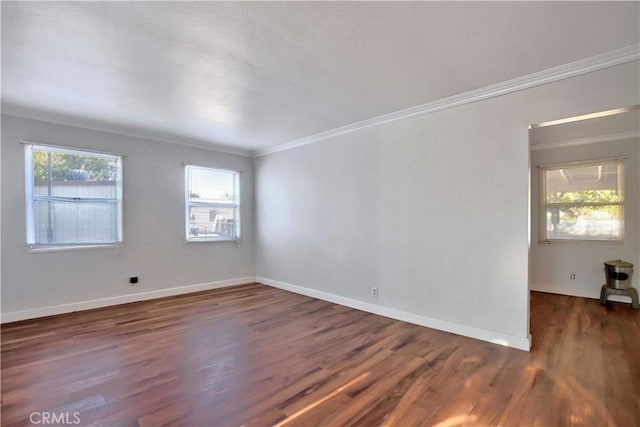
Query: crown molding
(572, 69)
(584, 141)
(12, 110)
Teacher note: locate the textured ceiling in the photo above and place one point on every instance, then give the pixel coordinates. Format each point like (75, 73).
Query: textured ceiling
(255, 75)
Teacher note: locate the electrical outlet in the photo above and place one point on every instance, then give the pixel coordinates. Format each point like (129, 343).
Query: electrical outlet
(133, 280)
(374, 292)
(572, 276)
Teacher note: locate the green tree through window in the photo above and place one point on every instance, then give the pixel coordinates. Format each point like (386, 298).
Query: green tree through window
(97, 168)
(583, 201)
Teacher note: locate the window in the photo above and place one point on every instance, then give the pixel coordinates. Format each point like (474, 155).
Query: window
(73, 198)
(212, 204)
(582, 202)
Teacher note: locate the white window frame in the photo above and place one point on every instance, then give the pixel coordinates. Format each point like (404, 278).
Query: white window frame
(30, 198)
(543, 239)
(234, 204)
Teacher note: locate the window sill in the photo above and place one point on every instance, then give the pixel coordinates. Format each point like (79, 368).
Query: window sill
(213, 240)
(38, 249)
(580, 243)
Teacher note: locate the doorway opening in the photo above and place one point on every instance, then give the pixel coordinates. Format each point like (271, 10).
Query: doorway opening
(584, 200)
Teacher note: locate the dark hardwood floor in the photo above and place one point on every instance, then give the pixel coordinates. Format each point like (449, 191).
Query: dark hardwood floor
(254, 355)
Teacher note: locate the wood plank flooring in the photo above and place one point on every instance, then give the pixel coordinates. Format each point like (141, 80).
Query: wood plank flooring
(258, 356)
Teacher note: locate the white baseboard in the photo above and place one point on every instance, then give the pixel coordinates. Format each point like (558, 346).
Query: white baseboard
(592, 293)
(520, 343)
(15, 316)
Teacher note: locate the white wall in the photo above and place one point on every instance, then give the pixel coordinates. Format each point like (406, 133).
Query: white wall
(154, 243)
(552, 264)
(433, 210)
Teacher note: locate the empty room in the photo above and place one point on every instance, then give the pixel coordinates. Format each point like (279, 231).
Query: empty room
(320, 213)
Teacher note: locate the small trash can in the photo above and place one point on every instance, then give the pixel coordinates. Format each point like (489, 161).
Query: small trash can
(618, 274)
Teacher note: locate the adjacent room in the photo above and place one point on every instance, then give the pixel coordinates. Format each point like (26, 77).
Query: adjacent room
(320, 213)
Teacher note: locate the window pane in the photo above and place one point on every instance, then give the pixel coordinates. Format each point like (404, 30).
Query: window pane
(59, 222)
(74, 175)
(583, 184)
(584, 222)
(212, 205)
(207, 222)
(213, 186)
